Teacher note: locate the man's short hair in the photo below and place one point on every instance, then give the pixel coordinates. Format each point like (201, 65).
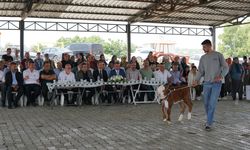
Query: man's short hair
(244, 57)
(100, 62)
(68, 64)
(175, 64)
(131, 62)
(13, 63)
(117, 62)
(235, 58)
(31, 62)
(206, 42)
(46, 62)
(8, 49)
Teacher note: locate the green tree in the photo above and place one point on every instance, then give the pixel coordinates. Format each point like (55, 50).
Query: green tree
(235, 41)
(62, 42)
(38, 47)
(115, 47)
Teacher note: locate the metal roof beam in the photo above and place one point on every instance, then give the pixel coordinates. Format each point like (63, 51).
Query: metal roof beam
(30, 7)
(148, 11)
(204, 13)
(12, 1)
(92, 5)
(188, 18)
(168, 12)
(238, 1)
(84, 12)
(46, 17)
(237, 22)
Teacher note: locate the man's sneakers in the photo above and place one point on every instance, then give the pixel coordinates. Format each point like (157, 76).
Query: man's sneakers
(208, 128)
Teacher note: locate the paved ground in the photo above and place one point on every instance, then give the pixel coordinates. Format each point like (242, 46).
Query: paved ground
(123, 127)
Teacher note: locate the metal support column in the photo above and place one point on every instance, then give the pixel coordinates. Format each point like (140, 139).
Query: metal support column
(214, 37)
(129, 41)
(21, 26)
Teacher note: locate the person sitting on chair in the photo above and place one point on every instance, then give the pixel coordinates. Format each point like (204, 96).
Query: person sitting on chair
(47, 75)
(162, 74)
(133, 74)
(100, 74)
(32, 84)
(68, 76)
(116, 71)
(147, 74)
(176, 75)
(85, 74)
(13, 83)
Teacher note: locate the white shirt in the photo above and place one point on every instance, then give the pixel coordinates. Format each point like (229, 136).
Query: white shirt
(66, 77)
(33, 76)
(162, 76)
(133, 75)
(192, 78)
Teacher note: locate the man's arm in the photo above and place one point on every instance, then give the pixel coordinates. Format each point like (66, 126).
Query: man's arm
(224, 66)
(201, 70)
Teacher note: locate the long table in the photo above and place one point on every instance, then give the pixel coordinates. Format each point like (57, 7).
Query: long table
(55, 86)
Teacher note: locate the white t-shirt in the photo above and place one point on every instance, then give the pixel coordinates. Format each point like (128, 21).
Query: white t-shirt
(33, 76)
(162, 76)
(66, 77)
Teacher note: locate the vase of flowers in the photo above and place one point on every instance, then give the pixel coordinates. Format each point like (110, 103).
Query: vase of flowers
(116, 78)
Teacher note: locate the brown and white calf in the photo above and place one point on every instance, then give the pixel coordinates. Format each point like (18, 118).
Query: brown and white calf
(176, 94)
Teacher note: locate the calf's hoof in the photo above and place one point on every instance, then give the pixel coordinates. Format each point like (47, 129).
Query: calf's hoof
(180, 117)
(189, 116)
(169, 122)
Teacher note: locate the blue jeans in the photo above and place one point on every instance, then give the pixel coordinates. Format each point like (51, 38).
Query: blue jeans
(211, 92)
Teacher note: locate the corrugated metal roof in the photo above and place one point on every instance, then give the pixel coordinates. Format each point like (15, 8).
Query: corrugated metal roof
(195, 12)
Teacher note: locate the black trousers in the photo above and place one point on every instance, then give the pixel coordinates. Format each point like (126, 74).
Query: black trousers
(237, 87)
(222, 91)
(151, 95)
(45, 91)
(3, 94)
(228, 84)
(10, 95)
(32, 91)
(66, 95)
(87, 95)
(112, 92)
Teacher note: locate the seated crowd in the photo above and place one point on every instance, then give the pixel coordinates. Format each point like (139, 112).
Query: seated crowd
(34, 75)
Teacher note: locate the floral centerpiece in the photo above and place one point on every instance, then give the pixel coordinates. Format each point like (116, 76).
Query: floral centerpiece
(117, 78)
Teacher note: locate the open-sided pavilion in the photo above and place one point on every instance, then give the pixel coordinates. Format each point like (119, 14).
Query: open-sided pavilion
(209, 13)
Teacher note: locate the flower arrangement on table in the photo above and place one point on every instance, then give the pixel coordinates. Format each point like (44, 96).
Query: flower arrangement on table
(117, 78)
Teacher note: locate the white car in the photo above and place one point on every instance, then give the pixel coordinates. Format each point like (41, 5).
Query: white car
(195, 59)
(55, 53)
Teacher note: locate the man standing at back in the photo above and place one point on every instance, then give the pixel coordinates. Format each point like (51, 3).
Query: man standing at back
(213, 68)
(7, 57)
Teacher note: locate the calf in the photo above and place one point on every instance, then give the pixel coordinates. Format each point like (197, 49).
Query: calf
(176, 94)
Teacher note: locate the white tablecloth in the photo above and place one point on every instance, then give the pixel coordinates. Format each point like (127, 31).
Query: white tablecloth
(80, 84)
